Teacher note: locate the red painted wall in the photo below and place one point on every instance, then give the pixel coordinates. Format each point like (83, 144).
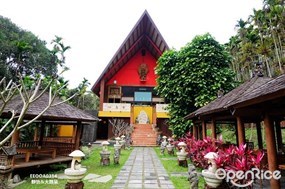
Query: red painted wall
(128, 74)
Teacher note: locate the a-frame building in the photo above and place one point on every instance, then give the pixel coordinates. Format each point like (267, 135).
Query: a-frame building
(126, 86)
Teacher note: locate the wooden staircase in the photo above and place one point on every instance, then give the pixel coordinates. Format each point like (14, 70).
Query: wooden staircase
(144, 135)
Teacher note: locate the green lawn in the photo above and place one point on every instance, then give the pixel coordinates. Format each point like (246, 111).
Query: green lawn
(93, 166)
(171, 165)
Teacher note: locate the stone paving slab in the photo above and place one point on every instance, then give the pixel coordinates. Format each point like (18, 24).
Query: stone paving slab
(143, 170)
(102, 179)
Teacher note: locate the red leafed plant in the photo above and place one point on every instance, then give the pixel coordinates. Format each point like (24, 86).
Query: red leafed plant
(235, 158)
(197, 149)
(238, 158)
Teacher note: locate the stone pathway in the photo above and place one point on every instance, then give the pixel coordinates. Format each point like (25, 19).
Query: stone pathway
(143, 170)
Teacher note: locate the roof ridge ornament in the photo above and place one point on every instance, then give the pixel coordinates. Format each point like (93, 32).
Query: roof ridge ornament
(220, 93)
(258, 70)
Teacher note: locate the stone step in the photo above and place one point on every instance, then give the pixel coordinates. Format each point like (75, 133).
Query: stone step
(144, 135)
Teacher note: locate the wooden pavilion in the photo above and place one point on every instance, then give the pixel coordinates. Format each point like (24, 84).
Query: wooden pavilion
(260, 101)
(48, 148)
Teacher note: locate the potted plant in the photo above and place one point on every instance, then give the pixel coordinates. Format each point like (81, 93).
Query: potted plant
(235, 159)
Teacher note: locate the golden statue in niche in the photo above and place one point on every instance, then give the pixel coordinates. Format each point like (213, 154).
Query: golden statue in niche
(143, 70)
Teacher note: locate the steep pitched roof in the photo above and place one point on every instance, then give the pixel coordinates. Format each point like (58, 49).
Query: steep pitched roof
(144, 34)
(61, 112)
(229, 99)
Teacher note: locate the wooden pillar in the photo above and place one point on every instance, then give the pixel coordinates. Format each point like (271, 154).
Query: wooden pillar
(42, 131)
(36, 133)
(213, 128)
(199, 131)
(278, 134)
(132, 121)
(74, 133)
(78, 135)
(204, 129)
(271, 149)
(153, 115)
(195, 131)
(15, 140)
(15, 137)
(102, 94)
(240, 131)
(259, 135)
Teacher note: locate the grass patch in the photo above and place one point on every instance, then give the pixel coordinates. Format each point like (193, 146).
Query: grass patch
(170, 164)
(93, 166)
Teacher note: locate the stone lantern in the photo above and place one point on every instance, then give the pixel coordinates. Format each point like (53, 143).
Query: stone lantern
(210, 173)
(6, 163)
(123, 141)
(117, 150)
(163, 144)
(170, 147)
(117, 145)
(75, 173)
(105, 154)
(182, 154)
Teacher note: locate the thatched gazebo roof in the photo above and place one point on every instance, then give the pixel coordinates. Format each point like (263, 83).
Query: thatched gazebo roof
(270, 90)
(61, 112)
(231, 98)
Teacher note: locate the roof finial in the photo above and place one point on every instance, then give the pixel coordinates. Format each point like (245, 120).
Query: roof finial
(258, 69)
(220, 93)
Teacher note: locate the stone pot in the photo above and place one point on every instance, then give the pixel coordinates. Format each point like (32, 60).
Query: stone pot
(74, 176)
(211, 179)
(181, 156)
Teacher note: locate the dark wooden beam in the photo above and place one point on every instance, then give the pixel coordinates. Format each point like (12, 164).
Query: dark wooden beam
(78, 135)
(240, 131)
(102, 94)
(195, 131)
(154, 45)
(204, 129)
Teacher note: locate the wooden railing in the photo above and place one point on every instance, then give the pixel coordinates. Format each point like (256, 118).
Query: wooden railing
(28, 144)
(57, 139)
(62, 148)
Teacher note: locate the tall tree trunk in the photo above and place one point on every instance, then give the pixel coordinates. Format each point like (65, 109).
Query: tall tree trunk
(276, 47)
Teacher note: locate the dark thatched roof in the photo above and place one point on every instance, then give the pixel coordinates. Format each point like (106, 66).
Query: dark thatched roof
(61, 112)
(229, 99)
(272, 89)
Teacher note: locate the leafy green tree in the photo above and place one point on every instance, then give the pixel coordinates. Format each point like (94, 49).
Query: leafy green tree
(22, 52)
(31, 88)
(191, 77)
(85, 100)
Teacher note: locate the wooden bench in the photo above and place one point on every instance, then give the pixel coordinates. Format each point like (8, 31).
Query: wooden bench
(29, 151)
